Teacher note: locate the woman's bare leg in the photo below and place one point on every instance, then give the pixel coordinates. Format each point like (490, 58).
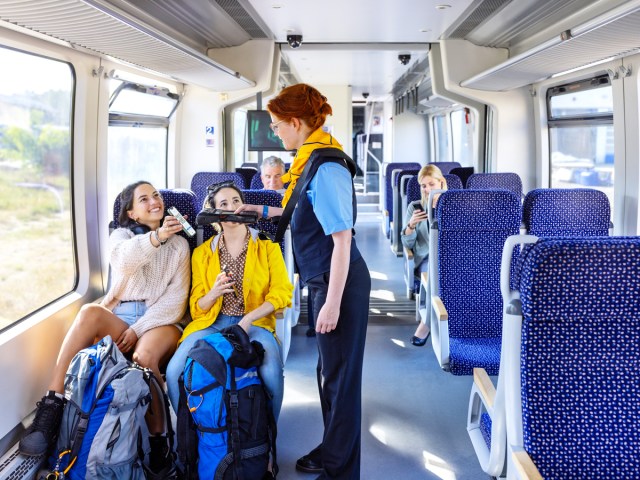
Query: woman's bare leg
(153, 350)
(92, 321)
(422, 330)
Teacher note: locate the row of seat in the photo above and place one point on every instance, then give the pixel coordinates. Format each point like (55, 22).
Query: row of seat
(189, 203)
(460, 298)
(567, 400)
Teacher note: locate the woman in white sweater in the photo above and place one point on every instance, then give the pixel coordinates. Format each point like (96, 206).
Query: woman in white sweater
(150, 273)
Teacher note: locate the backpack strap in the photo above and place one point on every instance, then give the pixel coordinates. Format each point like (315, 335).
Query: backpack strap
(187, 436)
(283, 223)
(234, 432)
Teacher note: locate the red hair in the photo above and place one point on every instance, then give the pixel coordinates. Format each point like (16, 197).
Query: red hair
(301, 101)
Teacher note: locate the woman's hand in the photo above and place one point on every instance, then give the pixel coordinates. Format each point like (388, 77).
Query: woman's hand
(169, 228)
(223, 284)
(327, 320)
(417, 217)
(127, 340)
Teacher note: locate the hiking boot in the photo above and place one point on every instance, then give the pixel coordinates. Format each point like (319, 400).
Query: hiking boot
(159, 457)
(43, 431)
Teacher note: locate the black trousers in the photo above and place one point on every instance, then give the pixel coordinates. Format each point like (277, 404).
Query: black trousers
(340, 372)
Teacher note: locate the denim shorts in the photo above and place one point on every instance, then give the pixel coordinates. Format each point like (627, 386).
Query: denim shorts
(130, 312)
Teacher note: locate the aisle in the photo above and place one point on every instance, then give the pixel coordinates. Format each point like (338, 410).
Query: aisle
(414, 414)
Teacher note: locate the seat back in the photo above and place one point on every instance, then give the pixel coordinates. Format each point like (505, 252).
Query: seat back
(463, 173)
(445, 167)
(388, 186)
(184, 200)
(472, 228)
(453, 182)
(202, 180)
(579, 414)
(503, 181)
(247, 174)
(566, 212)
(256, 182)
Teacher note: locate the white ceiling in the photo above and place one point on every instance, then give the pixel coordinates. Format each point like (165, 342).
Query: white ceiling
(374, 32)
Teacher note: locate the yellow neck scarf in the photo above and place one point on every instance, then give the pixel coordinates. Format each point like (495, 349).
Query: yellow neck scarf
(317, 139)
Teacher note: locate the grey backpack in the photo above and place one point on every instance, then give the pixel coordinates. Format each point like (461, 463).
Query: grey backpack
(103, 432)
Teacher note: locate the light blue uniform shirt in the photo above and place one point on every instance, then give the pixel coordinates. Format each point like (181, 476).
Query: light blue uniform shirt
(330, 195)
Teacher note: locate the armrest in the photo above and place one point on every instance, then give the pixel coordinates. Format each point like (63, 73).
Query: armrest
(408, 253)
(485, 386)
(438, 307)
(279, 313)
(524, 465)
(424, 278)
(385, 213)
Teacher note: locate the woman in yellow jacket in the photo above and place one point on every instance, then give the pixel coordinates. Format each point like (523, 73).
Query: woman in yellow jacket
(236, 279)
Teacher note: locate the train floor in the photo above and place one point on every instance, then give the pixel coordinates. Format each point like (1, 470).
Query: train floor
(414, 414)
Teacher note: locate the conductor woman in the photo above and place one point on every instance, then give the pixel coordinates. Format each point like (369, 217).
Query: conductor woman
(329, 262)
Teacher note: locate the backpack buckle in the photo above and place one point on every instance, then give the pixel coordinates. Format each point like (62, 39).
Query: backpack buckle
(233, 399)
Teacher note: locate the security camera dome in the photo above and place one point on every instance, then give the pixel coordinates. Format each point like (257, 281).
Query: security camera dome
(404, 58)
(365, 95)
(294, 40)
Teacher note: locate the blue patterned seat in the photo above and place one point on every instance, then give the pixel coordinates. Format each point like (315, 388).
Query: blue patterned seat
(399, 178)
(504, 181)
(388, 191)
(573, 377)
(256, 182)
(202, 180)
(445, 167)
(465, 252)
(453, 182)
(567, 212)
(184, 200)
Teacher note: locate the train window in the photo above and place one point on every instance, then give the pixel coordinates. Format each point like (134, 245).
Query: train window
(37, 263)
(441, 136)
(138, 134)
(580, 120)
(462, 130)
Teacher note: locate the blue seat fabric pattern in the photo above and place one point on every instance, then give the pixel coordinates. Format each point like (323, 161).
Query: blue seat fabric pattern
(202, 180)
(453, 182)
(472, 228)
(580, 357)
(485, 428)
(505, 181)
(388, 202)
(569, 212)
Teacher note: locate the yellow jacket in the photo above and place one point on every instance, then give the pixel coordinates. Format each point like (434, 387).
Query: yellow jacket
(265, 279)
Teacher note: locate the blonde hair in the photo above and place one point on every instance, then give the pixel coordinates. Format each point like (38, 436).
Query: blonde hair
(433, 172)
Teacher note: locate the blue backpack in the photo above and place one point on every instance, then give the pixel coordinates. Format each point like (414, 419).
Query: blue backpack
(103, 433)
(226, 427)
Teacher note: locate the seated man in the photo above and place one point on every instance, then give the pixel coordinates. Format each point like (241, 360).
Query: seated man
(271, 172)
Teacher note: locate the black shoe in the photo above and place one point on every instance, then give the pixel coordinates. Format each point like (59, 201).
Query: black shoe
(419, 342)
(309, 463)
(268, 476)
(43, 431)
(311, 332)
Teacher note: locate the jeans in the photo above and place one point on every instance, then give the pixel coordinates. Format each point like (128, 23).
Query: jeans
(130, 312)
(271, 370)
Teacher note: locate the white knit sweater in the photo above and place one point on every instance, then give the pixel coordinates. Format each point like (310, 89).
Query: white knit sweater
(160, 276)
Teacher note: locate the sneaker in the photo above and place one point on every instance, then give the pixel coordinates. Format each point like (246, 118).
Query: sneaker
(43, 431)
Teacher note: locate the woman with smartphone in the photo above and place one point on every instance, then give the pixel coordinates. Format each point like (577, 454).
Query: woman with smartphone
(237, 278)
(147, 299)
(415, 235)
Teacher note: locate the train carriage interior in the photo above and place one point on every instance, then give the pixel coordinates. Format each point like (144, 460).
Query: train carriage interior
(531, 110)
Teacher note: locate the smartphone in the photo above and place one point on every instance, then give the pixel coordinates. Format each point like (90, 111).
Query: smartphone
(417, 206)
(225, 269)
(188, 229)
